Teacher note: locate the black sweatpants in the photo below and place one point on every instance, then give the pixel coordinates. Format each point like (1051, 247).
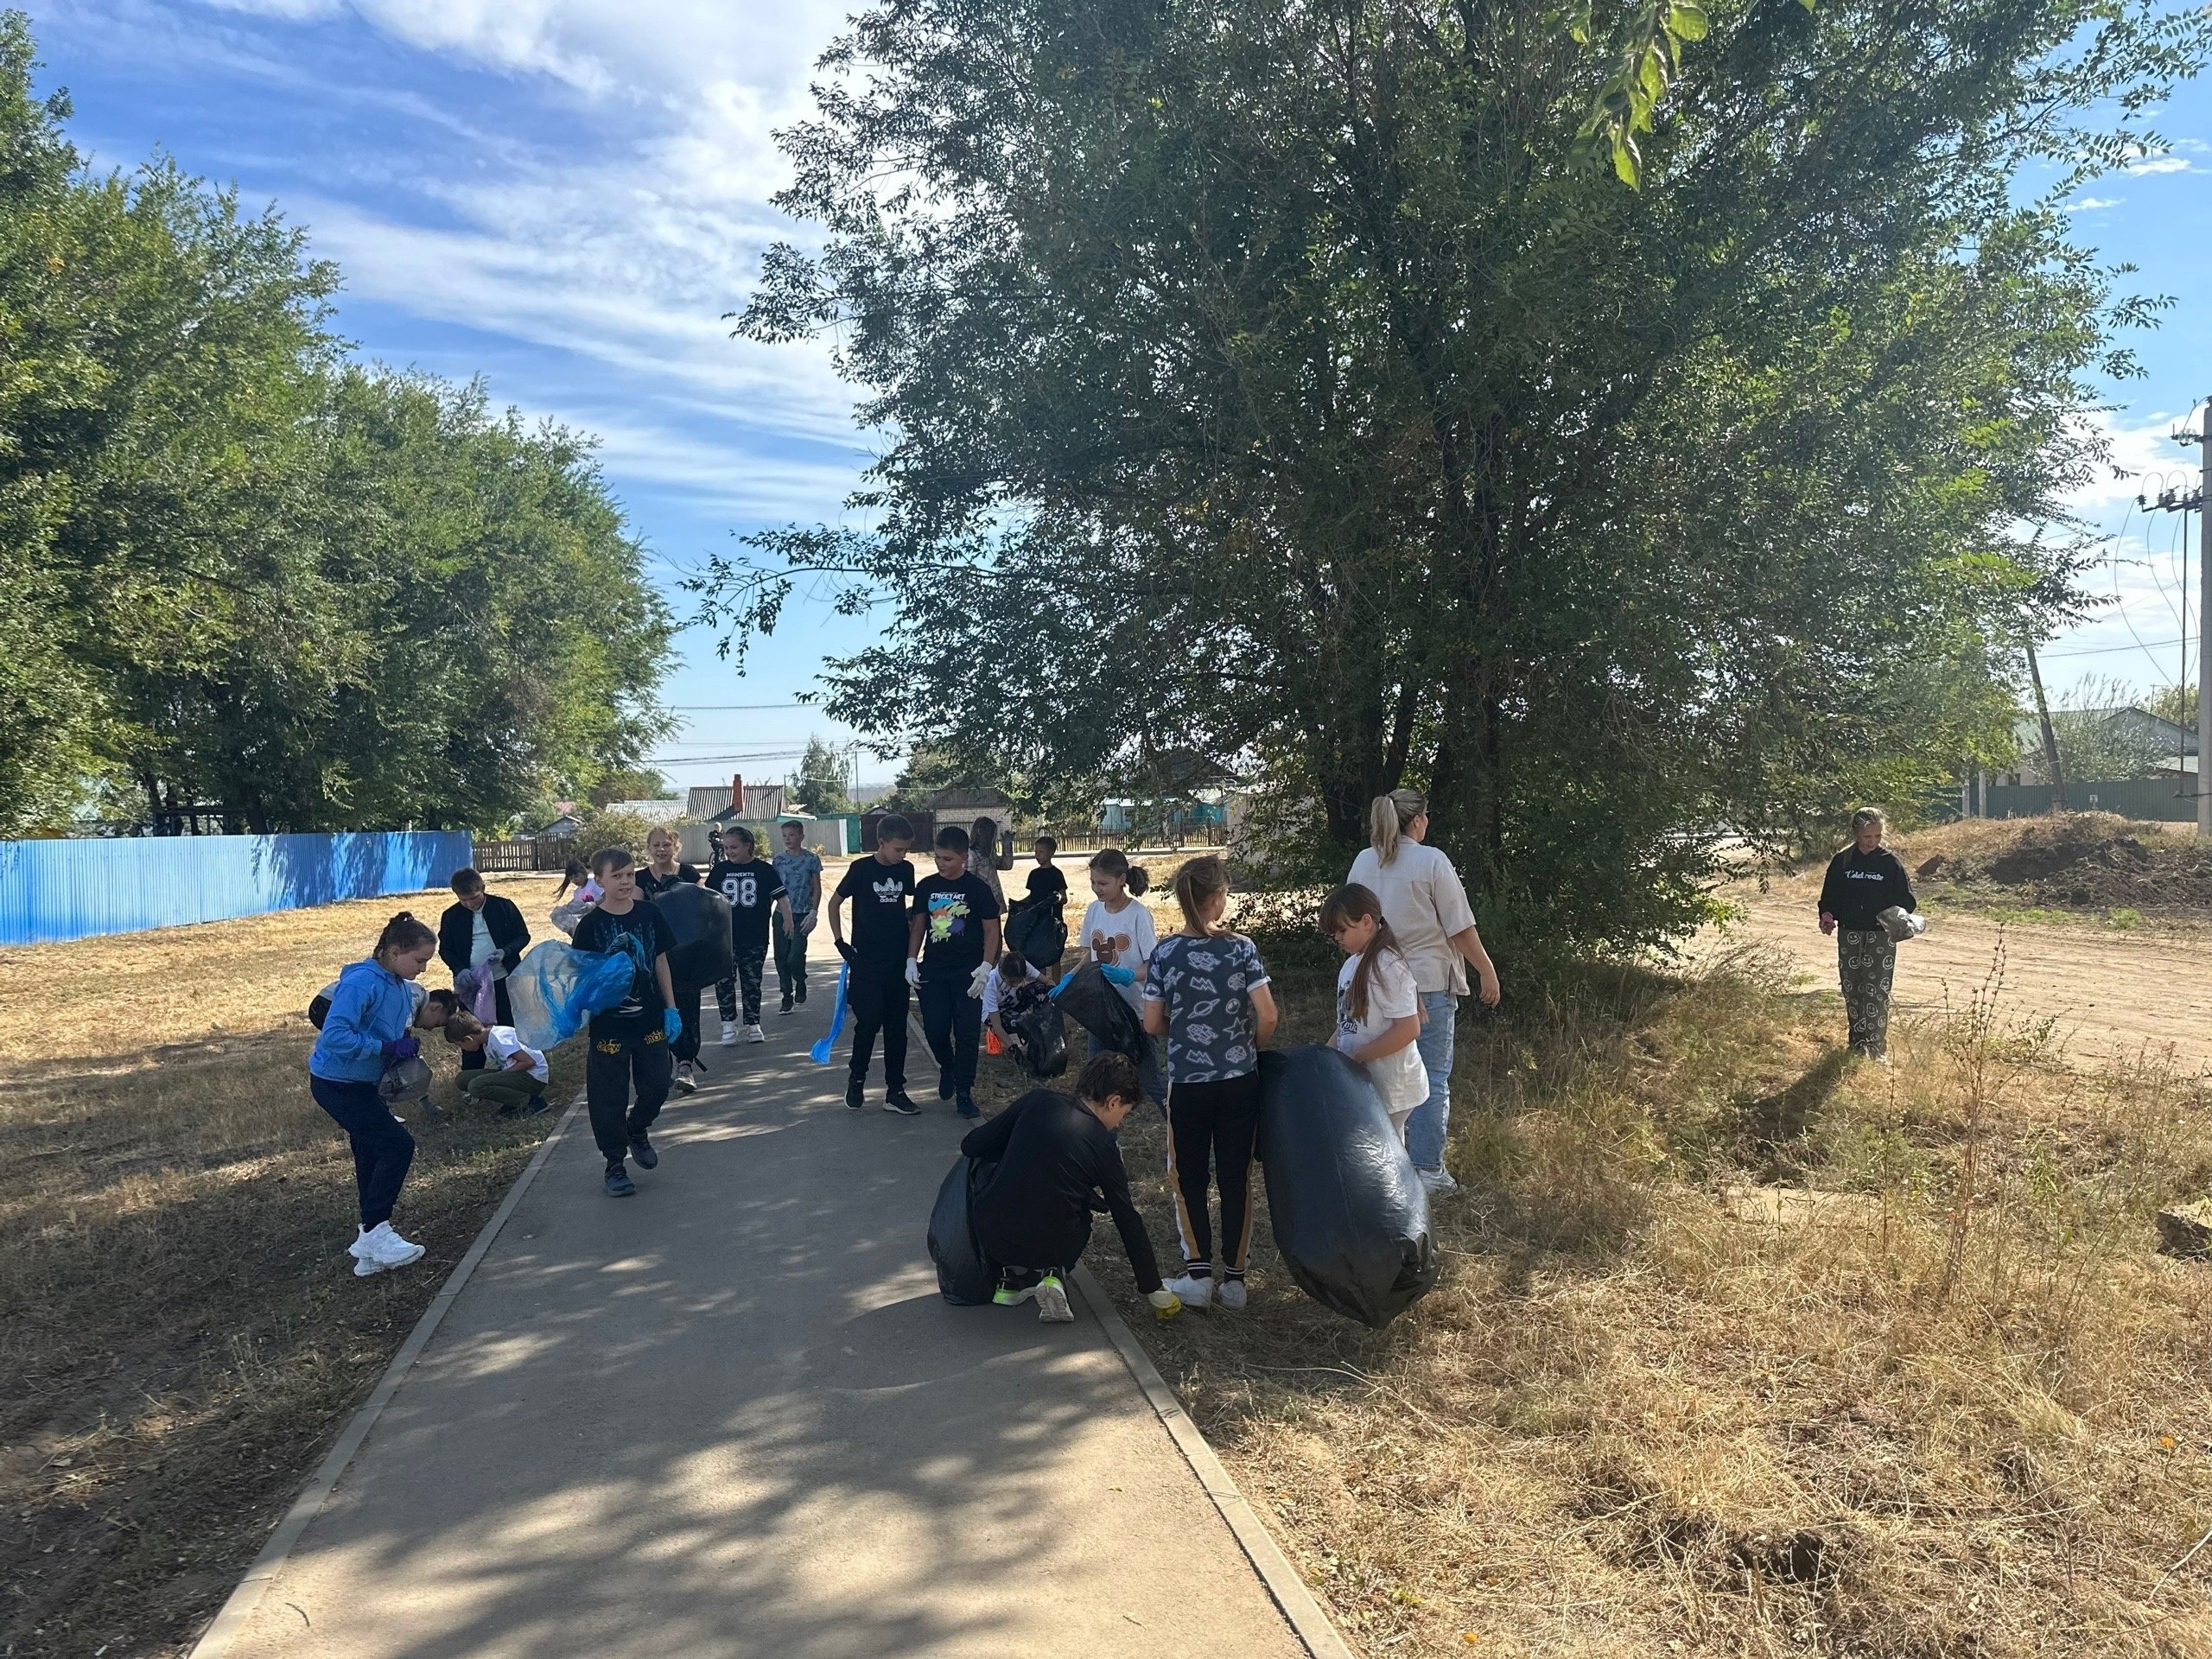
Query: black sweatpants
(619, 1060)
(472, 1060)
(953, 1022)
(1214, 1120)
(687, 1006)
(751, 957)
(875, 997)
(383, 1149)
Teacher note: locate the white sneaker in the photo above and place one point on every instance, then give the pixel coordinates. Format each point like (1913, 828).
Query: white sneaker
(378, 1249)
(1229, 1293)
(1438, 1180)
(685, 1083)
(1192, 1291)
(1052, 1302)
(754, 1034)
(729, 1032)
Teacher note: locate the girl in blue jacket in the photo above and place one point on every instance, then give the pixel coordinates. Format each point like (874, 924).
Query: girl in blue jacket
(367, 1030)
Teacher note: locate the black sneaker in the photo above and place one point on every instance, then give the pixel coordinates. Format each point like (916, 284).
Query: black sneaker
(536, 1105)
(642, 1150)
(619, 1184)
(967, 1107)
(944, 1084)
(855, 1094)
(801, 994)
(786, 1009)
(900, 1101)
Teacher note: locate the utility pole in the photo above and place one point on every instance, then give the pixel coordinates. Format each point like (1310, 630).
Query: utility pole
(2183, 503)
(2049, 737)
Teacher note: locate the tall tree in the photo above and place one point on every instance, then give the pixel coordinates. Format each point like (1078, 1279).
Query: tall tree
(1302, 385)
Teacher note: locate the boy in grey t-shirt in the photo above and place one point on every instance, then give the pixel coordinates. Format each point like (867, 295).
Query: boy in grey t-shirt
(801, 870)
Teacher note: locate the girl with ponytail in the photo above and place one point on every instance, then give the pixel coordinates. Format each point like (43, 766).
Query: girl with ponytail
(1119, 936)
(1422, 899)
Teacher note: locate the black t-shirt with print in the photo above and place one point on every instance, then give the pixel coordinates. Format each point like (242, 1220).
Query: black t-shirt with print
(652, 882)
(878, 893)
(752, 889)
(953, 914)
(642, 933)
(1047, 883)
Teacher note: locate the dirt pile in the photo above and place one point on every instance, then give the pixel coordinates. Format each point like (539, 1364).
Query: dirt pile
(2091, 862)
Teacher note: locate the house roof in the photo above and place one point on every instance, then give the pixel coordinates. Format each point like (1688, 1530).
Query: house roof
(969, 798)
(665, 809)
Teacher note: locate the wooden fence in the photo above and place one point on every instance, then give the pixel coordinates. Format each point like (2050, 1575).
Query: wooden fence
(505, 857)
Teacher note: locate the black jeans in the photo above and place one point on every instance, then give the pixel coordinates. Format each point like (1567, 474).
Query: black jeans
(382, 1148)
(619, 1060)
(953, 1022)
(752, 957)
(504, 1011)
(687, 1005)
(875, 997)
(1214, 1120)
(790, 957)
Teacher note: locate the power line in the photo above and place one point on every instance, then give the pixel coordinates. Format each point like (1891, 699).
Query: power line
(2107, 651)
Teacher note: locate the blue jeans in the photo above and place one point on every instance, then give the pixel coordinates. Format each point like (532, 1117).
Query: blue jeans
(1425, 1129)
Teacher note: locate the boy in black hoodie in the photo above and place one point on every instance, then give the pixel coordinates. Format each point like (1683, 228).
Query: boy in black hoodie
(1865, 879)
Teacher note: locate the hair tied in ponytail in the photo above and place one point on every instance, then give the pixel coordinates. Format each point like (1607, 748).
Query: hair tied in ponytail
(1389, 816)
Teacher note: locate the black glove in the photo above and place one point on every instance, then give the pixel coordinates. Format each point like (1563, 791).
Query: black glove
(846, 952)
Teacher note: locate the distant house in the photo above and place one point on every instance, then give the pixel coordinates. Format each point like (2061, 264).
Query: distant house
(968, 801)
(564, 827)
(662, 809)
(2168, 749)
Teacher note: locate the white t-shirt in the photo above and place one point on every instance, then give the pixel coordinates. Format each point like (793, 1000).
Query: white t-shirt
(501, 1045)
(1426, 905)
(1399, 1077)
(1123, 939)
(996, 987)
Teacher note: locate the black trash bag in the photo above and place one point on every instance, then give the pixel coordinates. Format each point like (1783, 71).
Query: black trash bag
(700, 922)
(1351, 1215)
(1037, 1035)
(1089, 998)
(964, 1278)
(1036, 929)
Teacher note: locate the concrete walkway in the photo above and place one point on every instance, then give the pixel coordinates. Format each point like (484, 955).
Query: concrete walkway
(732, 1416)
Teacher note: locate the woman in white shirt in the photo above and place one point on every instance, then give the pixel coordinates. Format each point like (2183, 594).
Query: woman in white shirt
(1427, 907)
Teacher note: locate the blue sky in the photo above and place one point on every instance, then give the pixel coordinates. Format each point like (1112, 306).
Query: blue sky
(564, 195)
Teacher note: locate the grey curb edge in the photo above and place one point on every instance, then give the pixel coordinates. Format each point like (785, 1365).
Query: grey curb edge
(1305, 1614)
(215, 1641)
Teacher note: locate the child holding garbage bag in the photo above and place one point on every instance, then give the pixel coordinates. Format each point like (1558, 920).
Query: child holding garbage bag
(630, 1042)
(1378, 1006)
(367, 1029)
(952, 947)
(1205, 993)
(1119, 936)
(1055, 1162)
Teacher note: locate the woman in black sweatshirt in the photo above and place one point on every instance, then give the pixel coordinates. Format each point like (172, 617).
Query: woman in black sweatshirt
(1865, 879)
(1057, 1163)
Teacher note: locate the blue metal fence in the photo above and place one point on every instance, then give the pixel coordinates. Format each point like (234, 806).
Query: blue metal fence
(53, 890)
(2132, 798)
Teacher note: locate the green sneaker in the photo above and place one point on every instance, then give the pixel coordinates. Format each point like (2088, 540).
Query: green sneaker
(1006, 1297)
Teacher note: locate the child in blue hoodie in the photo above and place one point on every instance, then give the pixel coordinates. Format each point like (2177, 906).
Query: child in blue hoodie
(368, 1030)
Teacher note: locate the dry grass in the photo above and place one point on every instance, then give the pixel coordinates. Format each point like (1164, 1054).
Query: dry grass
(1947, 1403)
(178, 1321)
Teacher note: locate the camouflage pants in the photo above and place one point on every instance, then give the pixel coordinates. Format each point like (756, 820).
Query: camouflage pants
(1866, 962)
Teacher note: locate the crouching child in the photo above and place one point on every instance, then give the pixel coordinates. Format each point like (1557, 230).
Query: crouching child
(1057, 1163)
(509, 1073)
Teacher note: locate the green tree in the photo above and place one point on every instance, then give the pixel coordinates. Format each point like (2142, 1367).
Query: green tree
(819, 783)
(1287, 384)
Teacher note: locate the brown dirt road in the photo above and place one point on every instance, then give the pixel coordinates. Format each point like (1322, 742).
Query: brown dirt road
(2112, 993)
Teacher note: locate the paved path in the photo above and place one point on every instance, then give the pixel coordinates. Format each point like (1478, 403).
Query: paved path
(732, 1416)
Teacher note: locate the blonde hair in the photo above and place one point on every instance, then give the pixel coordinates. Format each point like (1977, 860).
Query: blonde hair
(1197, 882)
(1866, 814)
(1388, 816)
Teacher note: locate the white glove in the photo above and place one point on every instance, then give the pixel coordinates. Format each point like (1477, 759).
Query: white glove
(977, 980)
(914, 973)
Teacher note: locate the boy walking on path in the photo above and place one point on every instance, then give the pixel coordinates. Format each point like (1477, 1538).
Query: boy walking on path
(801, 870)
(753, 887)
(630, 1042)
(878, 888)
(952, 945)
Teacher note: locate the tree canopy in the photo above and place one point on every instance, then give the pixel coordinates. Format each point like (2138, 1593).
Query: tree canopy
(1302, 384)
(239, 569)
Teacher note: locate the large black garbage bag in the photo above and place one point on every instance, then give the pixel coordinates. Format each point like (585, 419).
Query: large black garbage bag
(1350, 1215)
(1039, 1037)
(700, 920)
(964, 1277)
(1089, 998)
(1036, 929)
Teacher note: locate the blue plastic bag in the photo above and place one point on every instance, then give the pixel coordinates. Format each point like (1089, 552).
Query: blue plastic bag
(556, 989)
(820, 1053)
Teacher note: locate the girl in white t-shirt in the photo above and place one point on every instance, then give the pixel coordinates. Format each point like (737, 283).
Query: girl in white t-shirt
(1378, 1009)
(1119, 936)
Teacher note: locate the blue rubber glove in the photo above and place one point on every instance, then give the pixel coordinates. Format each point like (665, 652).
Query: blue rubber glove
(1120, 975)
(671, 1023)
(396, 1049)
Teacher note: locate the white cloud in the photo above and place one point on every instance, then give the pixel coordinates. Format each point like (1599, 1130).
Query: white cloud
(2143, 459)
(2089, 203)
(2163, 164)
